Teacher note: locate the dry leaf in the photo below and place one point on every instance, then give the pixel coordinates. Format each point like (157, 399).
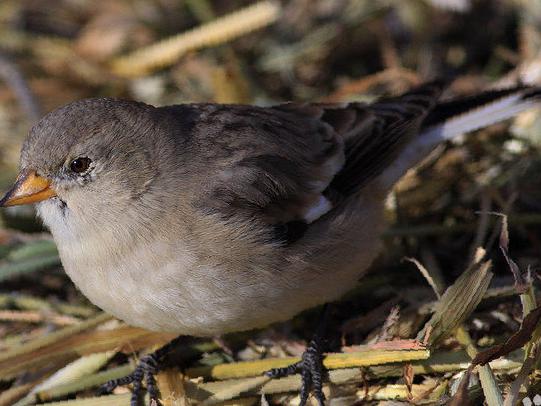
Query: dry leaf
(517, 340)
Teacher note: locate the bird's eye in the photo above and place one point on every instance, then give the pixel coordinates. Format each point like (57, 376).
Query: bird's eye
(80, 165)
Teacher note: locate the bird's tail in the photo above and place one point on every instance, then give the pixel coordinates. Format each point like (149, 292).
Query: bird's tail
(459, 116)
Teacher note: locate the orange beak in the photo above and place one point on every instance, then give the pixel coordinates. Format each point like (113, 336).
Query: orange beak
(29, 188)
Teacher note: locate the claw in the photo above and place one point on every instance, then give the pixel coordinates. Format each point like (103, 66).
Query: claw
(310, 366)
(146, 370)
(312, 372)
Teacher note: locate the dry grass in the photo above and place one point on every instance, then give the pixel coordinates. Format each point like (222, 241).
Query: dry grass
(466, 303)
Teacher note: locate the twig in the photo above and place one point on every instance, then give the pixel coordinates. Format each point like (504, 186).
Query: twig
(219, 31)
(363, 84)
(36, 317)
(13, 77)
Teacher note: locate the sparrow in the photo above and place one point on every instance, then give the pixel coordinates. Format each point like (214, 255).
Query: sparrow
(204, 219)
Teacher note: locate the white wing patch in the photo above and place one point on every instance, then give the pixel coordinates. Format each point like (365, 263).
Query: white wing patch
(318, 209)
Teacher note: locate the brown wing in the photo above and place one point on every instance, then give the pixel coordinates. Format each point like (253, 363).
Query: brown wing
(267, 164)
(279, 164)
(393, 122)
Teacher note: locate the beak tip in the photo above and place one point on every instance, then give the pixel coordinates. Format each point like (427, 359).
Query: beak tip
(4, 201)
(29, 188)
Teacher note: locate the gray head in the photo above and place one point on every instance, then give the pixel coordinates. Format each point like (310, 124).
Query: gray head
(88, 154)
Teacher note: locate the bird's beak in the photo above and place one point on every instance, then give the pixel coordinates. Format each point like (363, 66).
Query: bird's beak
(29, 188)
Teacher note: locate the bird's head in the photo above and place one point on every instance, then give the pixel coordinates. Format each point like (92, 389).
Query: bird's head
(88, 158)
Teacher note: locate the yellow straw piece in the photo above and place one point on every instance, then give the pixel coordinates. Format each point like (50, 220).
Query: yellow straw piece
(219, 31)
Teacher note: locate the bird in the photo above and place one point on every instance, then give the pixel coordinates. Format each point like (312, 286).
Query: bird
(203, 219)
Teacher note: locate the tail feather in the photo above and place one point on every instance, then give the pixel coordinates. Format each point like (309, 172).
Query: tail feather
(446, 110)
(464, 115)
(456, 117)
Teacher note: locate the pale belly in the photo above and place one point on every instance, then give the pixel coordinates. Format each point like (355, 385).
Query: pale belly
(202, 301)
(161, 286)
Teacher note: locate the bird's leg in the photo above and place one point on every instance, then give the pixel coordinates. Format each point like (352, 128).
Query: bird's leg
(310, 366)
(146, 369)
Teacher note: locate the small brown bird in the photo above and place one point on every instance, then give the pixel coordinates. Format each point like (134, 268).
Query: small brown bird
(203, 219)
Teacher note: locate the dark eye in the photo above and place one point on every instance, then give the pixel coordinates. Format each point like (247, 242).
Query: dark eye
(80, 165)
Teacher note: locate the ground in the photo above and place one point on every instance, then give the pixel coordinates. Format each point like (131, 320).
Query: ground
(396, 337)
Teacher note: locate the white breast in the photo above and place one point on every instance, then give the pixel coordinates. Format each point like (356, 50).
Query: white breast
(144, 284)
(160, 284)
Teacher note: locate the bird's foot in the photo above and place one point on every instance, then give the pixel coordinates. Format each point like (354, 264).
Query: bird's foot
(146, 370)
(311, 369)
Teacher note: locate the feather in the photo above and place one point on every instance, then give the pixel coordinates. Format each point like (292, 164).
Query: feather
(451, 119)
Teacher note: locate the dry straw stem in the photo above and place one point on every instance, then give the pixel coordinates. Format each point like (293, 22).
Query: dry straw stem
(401, 392)
(36, 317)
(70, 373)
(33, 249)
(11, 395)
(428, 276)
(233, 390)
(9, 358)
(221, 30)
(461, 397)
(364, 358)
(172, 390)
(68, 344)
(226, 390)
(9, 270)
(443, 362)
(112, 400)
(33, 256)
(430, 391)
(491, 391)
(513, 395)
(523, 283)
(454, 307)
(87, 382)
(222, 391)
(32, 303)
